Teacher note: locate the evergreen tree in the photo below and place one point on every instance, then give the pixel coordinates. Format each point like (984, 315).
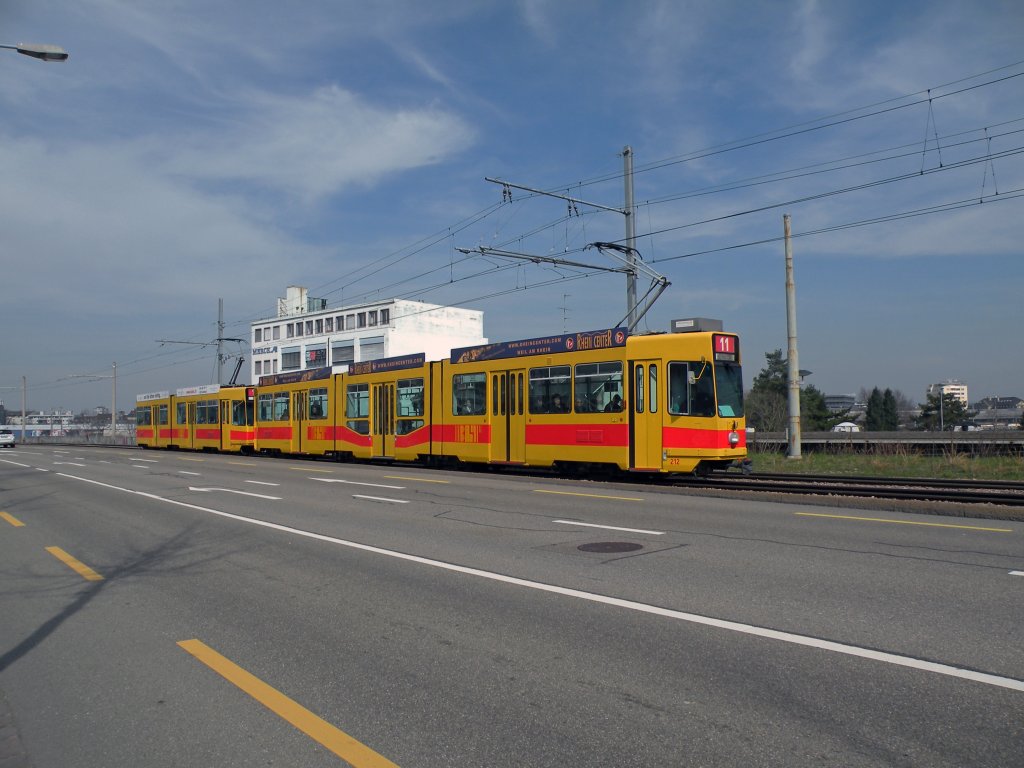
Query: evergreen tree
(814, 414)
(774, 376)
(874, 417)
(941, 414)
(765, 404)
(890, 412)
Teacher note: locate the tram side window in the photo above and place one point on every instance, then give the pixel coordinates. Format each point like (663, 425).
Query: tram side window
(469, 394)
(357, 408)
(182, 413)
(551, 389)
(691, 389)
(143, 417)
(410, 397)
(207, 412)
(599, 387)
(265, 407)
(318, 403)
(241, 413)
(280, 406)
(410, 405)
(161, 415)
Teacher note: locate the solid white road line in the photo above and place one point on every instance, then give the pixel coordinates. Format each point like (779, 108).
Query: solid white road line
(609, 527)
(353, 482)
(232, 490)
(379, 498)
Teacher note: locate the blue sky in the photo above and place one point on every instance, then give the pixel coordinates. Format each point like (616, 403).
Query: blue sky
(192, 151)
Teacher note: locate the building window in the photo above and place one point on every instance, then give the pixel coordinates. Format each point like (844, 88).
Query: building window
(290, 331)
(329, 325)
(259, 368)
(343, 353)
(309, 327)
(277, 332)
(259, 335)
(350, 322)
(316, 356)
(361, 320)
(291, 360)
(372, 317)
(372, 348)
(385, 316)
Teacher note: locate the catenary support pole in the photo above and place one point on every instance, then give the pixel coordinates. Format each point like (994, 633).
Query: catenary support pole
(627, 155)
(793, 373)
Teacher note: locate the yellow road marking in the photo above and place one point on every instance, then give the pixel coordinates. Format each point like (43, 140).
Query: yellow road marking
(303, 469)
(12, 520)
(78, 566)
(588, 495)
(905, 522)
(338, 742)
(415, 479)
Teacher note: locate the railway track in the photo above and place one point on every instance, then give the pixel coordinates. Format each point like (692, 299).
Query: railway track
(1004, 493)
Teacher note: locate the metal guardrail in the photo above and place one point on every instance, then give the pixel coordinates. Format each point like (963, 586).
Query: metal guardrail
(118, 440)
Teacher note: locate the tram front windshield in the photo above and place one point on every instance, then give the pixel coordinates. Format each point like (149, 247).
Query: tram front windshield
(729, 383)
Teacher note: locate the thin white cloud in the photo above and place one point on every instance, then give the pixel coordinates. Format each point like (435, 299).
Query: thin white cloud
(320, 143)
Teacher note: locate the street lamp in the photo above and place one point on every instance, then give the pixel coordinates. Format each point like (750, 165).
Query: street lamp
(41, 51)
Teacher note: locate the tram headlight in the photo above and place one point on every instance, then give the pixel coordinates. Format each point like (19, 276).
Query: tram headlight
(734, 439)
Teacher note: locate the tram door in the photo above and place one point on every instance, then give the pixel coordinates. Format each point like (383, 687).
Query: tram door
(190, 427)
(298, 420)
(382, 420)
(225, 425)
(645, 416)
(508, 416)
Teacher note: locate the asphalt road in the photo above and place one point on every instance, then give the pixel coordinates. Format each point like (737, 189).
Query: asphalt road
(175, 609)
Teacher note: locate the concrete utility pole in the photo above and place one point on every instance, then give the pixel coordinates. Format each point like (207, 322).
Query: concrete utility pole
(113, 406)
(628, 211)
(220, 338)
(793, 375)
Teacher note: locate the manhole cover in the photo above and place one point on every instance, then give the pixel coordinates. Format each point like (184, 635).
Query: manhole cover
(610, 546)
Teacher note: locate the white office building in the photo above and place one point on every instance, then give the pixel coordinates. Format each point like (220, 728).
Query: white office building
(306, 334)
(951, 387)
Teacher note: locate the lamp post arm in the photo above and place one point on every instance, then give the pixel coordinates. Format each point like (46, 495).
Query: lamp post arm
(41, 51)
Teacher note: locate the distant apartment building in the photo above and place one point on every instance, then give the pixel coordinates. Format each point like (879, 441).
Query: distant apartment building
(306, 334)
(997, 402)
(840, 403)
(951, 387)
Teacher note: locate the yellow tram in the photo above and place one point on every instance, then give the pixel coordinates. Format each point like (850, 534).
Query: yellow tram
(208, 417)
(644, 403)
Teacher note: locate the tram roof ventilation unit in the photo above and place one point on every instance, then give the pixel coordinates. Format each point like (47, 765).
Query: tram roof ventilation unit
(696, 324)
